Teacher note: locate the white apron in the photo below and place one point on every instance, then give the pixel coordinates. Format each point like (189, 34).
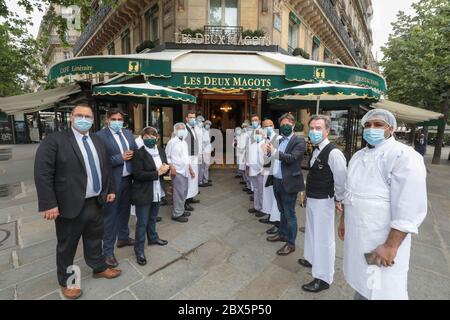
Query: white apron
(193, 183)
(367, 225)
(269, 202)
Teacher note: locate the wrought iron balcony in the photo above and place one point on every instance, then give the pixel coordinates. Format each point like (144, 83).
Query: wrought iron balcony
(56, 40)
(331, 13)
(91, 26)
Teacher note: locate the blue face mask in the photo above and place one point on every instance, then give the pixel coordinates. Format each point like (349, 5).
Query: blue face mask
(82, 124)
(182, 133)
(207, 126)
(116, 125)
(191, 122)
(255, 124)
(269, 131)
(373, 136)
(316, 137)
(258, 137)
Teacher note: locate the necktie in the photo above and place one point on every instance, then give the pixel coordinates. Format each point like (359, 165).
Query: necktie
(124, 148)
(316, 148)
(95, 178)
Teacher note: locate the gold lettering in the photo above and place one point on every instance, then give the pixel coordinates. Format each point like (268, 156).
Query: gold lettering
(206, 81)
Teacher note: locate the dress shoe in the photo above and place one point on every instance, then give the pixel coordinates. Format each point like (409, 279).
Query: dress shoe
(141, 260)
(159, 242)
(238, 176)
(304, 263)
(252, 198)
(209, 184)
(109, 273)
(209, 181)
(266, 220)
(163, 202)
(188, 207)
(301, 229)
(111, 261)
(180, 219)
(315, 286)
(273, 230)
(158, 219)
(276, 238)
(192, 200)
(125, 243)
(186, 214)
(203, 185)
(242, 182)
(260, 214)
(246, 189)
(252, 210)
(250, 192)
(71, 292)
(285, 250)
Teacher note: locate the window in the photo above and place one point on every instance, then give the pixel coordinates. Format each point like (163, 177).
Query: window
(315, 48)
(111, 49)
(152, 18)
(67, 55)
(327, 56)
(294, 23)
(223, 12)
(125, 41)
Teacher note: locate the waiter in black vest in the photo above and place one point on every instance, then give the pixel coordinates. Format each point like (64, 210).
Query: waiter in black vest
(192, 142)
(325, 186)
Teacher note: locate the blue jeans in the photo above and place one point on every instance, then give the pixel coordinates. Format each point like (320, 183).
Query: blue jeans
(286, 205)
(116, 217)
(145, 226)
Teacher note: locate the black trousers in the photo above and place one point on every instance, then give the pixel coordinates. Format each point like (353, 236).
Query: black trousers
(89, 225)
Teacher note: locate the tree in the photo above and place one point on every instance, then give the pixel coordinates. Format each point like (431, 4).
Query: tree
(416, 60)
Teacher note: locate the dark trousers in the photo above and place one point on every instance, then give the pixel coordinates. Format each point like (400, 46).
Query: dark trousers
(117, 215)
(145, 225)
(89, 224)
(286, 205)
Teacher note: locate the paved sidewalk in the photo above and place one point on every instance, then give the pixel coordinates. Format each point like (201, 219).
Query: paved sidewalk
(220, 254)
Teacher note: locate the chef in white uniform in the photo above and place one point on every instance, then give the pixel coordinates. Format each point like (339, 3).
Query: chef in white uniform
(207, 150)
(255, 165)
(192, 141)
(255, 123)
(239, 139)
(199, 131)
(325, 186)
(270, 206)
(385, 201)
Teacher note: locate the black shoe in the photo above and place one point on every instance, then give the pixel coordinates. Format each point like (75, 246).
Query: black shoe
(203, 185)
(209, 184)
(252, 198)
(186, 214)
(209, 181)
(141, 260)
(304, 263)
(163, 202)
(159, 242)
(180, 219)
(246, 189)
(316, 285)
(259, 214)
(125, 243)
(158, 219)
(252, 210)
(192, 200)
(266, 220)
(242, 182)
(188, 207)
(273, 230)
(250, 192)
(238, 176)
(111, 261)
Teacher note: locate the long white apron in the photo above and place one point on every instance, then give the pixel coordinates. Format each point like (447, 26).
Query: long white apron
(367, 225)
(193, 182)
(320, 245)
(269, 202)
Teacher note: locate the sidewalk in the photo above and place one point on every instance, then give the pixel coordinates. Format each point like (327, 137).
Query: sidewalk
(221, 253)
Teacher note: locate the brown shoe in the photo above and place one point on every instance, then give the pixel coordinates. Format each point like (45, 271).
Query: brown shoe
(125, 243)
(71, 292)
(109, 273)
(285, 250)
(276, 238)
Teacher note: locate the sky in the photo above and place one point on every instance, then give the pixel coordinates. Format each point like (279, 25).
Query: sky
(385, 12)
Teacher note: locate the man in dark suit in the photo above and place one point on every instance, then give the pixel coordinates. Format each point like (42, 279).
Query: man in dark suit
(120, 147)
(73, 181)
(287, 181)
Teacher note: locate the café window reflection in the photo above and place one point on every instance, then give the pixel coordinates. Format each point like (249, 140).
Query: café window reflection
(223, 12)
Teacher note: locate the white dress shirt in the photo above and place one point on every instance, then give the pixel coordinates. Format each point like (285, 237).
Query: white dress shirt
(338, 166)
(125, 173)
(90, 184)
(255, 159)
(178, 155)
(157, 189)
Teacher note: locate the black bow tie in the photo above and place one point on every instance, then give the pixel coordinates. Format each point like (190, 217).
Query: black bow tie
(316, 148)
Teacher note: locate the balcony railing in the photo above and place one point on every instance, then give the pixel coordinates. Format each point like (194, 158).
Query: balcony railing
(91, 26)
(55, 39)
(231, 32)
(330, 12)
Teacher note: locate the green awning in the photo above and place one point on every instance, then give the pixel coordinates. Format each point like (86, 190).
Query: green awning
(125, 64)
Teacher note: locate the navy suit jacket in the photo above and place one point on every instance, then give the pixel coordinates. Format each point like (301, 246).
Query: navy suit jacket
(114, 154)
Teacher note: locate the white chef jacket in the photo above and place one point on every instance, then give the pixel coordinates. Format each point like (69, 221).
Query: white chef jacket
(385, 188)
(255, 159)
(338, 166)
(178, 155)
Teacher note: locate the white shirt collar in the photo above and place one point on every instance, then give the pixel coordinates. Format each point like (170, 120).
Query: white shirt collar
(323, 144)
(152, 151)
(113, 132)
(78, 135)
(385, 142)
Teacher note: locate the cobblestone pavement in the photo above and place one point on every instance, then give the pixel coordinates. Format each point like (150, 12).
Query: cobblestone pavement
(220, 254)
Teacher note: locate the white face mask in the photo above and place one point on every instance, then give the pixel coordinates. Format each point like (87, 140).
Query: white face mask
(181, 133)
